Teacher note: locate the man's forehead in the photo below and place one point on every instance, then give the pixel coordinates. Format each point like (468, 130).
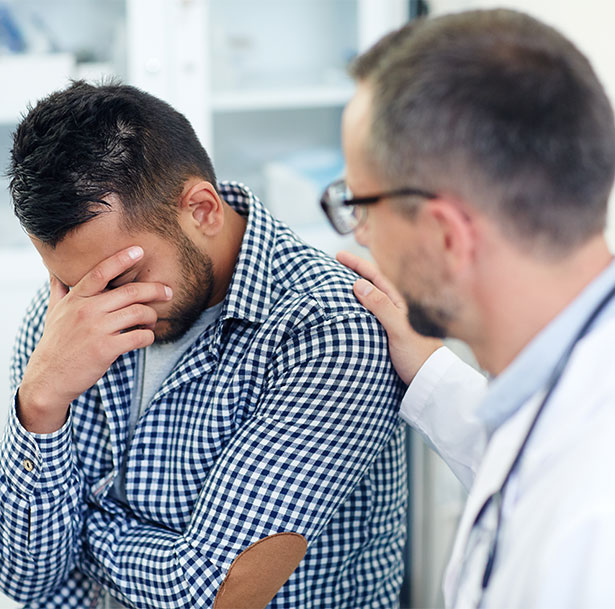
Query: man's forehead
(84, 247)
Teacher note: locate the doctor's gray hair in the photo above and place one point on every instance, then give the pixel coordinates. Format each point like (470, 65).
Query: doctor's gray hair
(500, 110)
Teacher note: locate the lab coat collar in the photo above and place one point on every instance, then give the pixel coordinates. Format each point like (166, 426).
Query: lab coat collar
(532, 368)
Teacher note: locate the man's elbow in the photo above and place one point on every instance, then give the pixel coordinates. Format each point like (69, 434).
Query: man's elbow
(260, 571)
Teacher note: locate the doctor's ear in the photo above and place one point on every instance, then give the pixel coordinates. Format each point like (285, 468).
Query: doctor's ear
(456, 231)
(201, 208)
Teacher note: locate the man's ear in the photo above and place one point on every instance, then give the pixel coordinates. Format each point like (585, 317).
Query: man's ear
(200, 208)
(456, 230)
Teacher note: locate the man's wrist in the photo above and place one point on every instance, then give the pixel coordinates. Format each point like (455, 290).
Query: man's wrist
(38, 413)
(32, 461)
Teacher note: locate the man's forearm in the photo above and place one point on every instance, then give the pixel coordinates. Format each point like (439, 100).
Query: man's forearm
(40, 510)
(147, 566)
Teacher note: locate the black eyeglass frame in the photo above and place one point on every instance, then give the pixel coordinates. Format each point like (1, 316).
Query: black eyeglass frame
(328, 207)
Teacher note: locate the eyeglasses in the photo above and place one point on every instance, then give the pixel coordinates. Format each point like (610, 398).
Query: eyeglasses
(346, 212)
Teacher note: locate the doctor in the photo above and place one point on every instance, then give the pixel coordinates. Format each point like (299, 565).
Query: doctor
(480, 153)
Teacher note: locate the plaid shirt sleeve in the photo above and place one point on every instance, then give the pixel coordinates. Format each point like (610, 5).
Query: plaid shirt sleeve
(40, 491)
(329, 408)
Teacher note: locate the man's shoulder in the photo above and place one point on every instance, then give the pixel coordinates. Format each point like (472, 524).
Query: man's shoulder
(301, 272)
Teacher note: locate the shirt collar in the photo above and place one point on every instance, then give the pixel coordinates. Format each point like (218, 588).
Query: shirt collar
(249, 293)
(530, 370)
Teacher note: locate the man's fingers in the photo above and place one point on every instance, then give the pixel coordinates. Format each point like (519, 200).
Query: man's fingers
(131, 293)
(96, 280)
(372, 273)
(392, 318)
(131, 340)
(134, 339)
(130, 317)
(57, 291)
(357, 264)
(409, 351)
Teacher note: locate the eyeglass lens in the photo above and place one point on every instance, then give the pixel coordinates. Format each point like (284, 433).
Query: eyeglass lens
(345, 218)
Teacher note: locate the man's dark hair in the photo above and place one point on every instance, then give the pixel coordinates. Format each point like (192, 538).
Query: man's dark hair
(86, 142)
(501, 110)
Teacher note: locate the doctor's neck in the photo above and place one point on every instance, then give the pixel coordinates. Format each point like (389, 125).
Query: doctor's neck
(522, 294)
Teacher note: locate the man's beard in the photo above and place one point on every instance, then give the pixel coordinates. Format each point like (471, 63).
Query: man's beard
(194, 293)
(422, 319)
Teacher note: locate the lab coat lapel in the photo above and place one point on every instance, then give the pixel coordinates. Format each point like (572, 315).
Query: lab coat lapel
(499, 456)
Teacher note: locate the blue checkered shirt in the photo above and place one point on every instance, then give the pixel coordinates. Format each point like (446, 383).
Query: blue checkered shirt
(283, 416)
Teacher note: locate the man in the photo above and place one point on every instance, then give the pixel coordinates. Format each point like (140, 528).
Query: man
(198, 404)
(480, 152)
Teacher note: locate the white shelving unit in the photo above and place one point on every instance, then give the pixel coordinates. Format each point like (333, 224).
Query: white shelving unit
(301, 97)
(260, 82)
(253, 57)
(36, 75)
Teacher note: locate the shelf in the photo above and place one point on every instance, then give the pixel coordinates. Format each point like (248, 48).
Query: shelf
(245, 100)
(30, 77)
(34, 76)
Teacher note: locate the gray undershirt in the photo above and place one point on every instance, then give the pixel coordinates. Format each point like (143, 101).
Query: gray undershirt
(154, 364)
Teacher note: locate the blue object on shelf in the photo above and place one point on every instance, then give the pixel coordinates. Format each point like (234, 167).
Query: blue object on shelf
(11, 38)
(321, 165)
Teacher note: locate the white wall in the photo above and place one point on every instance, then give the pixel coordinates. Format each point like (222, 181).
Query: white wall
(589, 24)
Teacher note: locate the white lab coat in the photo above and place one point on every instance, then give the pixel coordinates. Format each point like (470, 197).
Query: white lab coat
(557, 541)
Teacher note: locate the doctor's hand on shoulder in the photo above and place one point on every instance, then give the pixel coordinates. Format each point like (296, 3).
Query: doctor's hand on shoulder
(409, 350)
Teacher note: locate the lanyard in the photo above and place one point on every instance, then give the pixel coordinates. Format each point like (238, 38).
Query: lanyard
(496, 498)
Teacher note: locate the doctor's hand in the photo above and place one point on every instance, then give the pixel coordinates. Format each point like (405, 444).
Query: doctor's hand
(408, 349)
(86, 329)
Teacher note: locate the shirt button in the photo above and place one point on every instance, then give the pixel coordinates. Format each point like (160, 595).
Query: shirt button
(28, 465)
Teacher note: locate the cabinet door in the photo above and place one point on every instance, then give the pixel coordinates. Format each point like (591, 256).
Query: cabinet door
(168, 56)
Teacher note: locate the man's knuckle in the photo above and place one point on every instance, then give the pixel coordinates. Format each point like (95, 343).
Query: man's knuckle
(100, 351)
(144, 313)
(129, 315)
(131, 290)
(148, 315)
(139, 339)
(97, 275)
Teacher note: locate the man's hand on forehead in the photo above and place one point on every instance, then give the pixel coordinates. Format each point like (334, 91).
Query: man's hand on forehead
(87, 328)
